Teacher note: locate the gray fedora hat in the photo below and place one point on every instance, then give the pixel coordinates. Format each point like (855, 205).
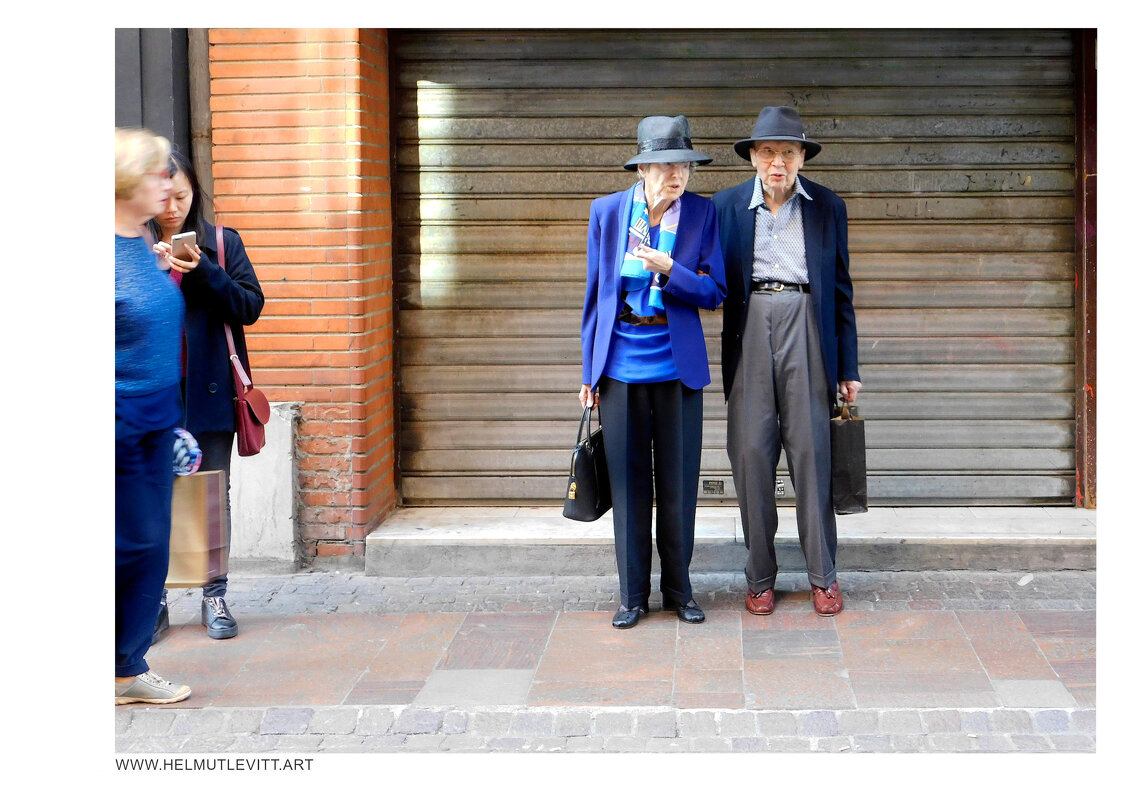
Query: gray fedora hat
(778, 123)
(663, 140)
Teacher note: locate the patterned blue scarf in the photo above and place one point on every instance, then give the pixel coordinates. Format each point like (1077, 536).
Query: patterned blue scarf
(635, 277)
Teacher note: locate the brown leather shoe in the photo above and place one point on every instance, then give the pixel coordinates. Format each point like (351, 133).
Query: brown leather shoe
(827, 602)
(761, 603)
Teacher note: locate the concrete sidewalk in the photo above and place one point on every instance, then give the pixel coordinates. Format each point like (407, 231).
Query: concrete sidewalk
(337, 661)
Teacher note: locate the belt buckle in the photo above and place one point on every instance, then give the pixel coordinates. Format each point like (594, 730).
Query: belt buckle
(774, 286)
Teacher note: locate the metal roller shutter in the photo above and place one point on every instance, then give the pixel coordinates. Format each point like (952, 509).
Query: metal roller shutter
(952, 149)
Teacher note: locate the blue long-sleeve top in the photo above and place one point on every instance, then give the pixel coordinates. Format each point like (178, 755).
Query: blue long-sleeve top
(641, 354)
(149, 321)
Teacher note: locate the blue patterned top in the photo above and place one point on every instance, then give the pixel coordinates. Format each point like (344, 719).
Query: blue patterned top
(149, 321)
(779, 253)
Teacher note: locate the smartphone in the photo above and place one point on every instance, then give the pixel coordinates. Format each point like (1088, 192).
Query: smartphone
(180, 243)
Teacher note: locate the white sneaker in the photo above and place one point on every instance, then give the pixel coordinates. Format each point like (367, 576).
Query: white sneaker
(148, 688)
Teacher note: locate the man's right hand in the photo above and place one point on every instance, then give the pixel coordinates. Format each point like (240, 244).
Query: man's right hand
(849, 390)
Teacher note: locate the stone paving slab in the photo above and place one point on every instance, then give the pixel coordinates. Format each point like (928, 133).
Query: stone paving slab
(340, 662)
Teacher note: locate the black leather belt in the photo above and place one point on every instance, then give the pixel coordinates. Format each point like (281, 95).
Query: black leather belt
(777, 286)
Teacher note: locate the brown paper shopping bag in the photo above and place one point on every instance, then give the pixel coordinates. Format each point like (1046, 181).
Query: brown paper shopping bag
(200, 543)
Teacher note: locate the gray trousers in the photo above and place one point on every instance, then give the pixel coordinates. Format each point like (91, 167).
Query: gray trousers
(780, 396)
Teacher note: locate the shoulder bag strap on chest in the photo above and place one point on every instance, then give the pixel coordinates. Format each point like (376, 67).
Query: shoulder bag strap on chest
(235, 362)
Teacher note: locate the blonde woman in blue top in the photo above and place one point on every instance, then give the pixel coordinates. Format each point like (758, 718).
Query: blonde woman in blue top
(149, 330)
(653, 261)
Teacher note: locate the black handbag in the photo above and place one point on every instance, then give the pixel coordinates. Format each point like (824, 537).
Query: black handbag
(588, 495)
(848, 461)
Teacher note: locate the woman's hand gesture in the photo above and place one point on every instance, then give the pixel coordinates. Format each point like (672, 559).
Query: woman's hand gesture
(194, 256)
(654, 261)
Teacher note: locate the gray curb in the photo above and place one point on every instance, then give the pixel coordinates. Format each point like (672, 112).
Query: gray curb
(602, 729)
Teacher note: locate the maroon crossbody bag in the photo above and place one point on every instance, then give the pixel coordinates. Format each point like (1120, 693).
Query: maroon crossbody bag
(251, 407)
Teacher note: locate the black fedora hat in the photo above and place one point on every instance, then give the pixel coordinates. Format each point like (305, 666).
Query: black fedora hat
(663, 140)
(782, 124)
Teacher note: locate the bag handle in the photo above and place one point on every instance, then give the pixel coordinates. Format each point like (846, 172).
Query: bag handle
(587, 423)
(848, 412)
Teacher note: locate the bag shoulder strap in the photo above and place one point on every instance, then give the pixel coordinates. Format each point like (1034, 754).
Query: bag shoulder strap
(235, 362)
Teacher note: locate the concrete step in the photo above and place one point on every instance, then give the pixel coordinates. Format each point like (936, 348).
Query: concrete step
(538, 541)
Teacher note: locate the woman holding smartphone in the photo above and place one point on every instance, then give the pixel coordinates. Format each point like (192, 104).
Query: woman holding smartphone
(214, 297)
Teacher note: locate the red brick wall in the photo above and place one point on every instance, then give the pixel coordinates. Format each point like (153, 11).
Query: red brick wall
(301, 147)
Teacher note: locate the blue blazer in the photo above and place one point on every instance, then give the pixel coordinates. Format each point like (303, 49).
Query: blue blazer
(697, 280)
(828, 270)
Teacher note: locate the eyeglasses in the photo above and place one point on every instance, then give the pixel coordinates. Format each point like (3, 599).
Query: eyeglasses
(163, 174)
(769, 155)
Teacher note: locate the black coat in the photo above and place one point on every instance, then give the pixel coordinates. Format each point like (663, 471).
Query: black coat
(214, 296)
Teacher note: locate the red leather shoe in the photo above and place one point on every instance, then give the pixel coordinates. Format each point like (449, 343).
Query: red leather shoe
(760, 603)
(827, 602)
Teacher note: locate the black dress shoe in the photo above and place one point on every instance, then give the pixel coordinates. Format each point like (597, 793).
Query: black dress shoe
(625, 618)
(162, 622)
(690, 613)
(218, 620)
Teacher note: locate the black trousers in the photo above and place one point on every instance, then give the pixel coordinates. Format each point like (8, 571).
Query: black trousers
(653, 441)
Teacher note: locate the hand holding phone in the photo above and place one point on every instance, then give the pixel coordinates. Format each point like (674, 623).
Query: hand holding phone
(185, 254)
(179, 245)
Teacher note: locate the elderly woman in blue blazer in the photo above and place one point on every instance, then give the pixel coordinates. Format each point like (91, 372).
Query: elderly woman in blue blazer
(653, 261)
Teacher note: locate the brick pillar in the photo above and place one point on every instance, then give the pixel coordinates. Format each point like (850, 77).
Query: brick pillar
(301, 146)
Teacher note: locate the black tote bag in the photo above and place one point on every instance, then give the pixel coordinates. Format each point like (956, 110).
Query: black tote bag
(848, 461)
(587, 496)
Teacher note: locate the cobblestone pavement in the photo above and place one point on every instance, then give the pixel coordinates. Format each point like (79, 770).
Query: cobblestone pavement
(1028, 718)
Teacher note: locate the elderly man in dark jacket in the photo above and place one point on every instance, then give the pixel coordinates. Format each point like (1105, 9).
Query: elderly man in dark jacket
(789, 340)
